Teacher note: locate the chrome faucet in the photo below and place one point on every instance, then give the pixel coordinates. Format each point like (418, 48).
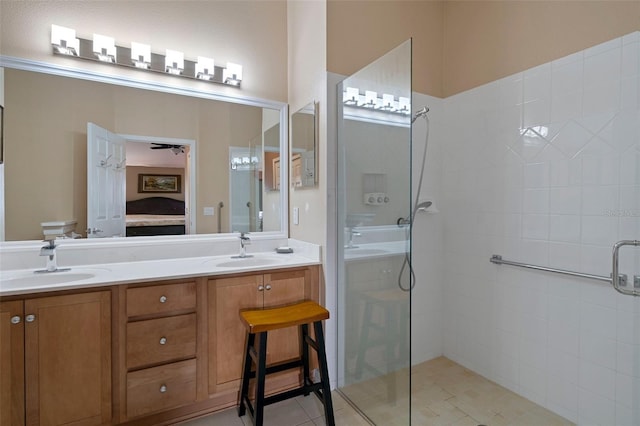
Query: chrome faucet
(244, 241)
(49, 250)
(352, 234)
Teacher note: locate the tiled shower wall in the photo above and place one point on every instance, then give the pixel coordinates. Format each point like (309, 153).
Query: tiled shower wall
(543, 167)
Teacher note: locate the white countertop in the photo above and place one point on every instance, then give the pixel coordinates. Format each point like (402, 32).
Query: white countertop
(26, 281)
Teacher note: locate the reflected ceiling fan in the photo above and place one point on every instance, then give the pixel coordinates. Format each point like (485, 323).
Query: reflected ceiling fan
(176, 149)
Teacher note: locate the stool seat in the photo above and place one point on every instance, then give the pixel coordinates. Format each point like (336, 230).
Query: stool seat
(259, 320)
(258, 323)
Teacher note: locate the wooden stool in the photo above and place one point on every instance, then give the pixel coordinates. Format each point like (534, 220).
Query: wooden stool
(260, 321)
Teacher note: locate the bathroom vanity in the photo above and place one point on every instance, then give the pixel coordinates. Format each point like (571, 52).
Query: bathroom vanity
(137, 344)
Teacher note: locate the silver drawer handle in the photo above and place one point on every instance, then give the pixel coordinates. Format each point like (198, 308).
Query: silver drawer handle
(163, 299)
(260, 288)
(163, 340)
(163, 388)
(268, 287)
(16, 319)
(30, 318)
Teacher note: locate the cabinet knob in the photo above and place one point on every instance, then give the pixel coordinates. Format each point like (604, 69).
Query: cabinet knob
(163, 299)
(260, 288)
(16, 319)
(163, 340)
(268, 287)
(163, 388)
(30, 318)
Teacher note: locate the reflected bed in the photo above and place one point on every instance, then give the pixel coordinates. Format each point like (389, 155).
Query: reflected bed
(155, 216)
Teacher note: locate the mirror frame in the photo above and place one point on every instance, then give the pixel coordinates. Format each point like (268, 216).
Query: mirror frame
(119, 80)
(310, 108)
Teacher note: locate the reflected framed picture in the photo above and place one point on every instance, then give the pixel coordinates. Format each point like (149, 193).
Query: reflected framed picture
(1, 134)
(159, 183)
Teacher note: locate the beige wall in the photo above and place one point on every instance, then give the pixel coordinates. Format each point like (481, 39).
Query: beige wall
(307, 29)
(46, 143)
(458, 45)
(488, 40)
(251, 33)
(358, 32)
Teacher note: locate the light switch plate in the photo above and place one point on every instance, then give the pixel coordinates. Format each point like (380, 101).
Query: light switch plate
(296, 216)
(208, 211)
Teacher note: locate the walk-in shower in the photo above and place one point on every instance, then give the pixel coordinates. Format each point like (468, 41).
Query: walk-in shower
(523, 284)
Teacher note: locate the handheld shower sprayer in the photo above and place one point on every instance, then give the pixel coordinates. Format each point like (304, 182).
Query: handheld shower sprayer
(422, 113)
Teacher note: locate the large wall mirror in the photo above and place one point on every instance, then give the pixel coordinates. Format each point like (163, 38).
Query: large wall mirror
(211, 156)
(304, 149)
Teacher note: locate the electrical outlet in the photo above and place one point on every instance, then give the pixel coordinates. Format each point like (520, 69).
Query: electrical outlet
(296, 216)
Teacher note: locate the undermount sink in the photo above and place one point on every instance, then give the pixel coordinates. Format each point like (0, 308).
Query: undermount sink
(48, 278)
(244, 262)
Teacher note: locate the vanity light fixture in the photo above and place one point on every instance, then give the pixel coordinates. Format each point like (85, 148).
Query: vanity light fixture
(141, 55)
(103, 49)
(232, 74)
(174, 62)
(204, 68)
(64, 41)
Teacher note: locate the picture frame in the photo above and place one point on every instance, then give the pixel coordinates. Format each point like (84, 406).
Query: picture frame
(159, 183)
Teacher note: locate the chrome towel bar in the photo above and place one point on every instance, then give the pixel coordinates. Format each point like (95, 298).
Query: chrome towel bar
(618, 281)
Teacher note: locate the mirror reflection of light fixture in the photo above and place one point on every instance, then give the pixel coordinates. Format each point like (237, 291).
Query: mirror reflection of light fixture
(204, 68)
(174, 62)
(232, 74)
(64, 40)
(141, 55)
(370, 99)
(104, 48)
(404, 105)
(388, 102)
(351, 96)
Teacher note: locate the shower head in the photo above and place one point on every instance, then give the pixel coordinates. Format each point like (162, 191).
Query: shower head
(423, 205)
(422, 113)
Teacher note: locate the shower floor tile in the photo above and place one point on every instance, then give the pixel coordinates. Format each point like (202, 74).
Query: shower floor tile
(445, 393)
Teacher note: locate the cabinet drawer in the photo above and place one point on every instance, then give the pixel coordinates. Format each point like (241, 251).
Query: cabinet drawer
(159, 299)
(161, 340)
(161, 388)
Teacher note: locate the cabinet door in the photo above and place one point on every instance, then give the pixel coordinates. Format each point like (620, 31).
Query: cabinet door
(284, 288)
(68, 359)
(226, 298)
(11, 363)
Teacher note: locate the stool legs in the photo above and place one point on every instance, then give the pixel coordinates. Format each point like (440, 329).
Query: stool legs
(259, 356)
(246, 374)
(324, 374)
(304, 350)
(261, 374)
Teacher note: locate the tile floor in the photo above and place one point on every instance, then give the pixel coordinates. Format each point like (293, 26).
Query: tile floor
(443, 394)
(299, 411)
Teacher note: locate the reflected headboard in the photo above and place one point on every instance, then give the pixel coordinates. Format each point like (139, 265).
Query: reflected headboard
(156, 205)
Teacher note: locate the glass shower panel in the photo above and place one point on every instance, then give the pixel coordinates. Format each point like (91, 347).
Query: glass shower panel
(374, 204)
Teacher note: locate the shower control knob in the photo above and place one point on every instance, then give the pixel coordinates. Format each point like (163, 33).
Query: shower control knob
(372, 200)
(380, 199)
(386, 199)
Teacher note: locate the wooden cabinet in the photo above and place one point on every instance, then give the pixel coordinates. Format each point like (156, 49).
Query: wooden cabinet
(226, 334)
(65, 342)
(160, 329)
(11, 363)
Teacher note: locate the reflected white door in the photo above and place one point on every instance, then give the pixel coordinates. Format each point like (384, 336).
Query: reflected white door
(106, 183)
